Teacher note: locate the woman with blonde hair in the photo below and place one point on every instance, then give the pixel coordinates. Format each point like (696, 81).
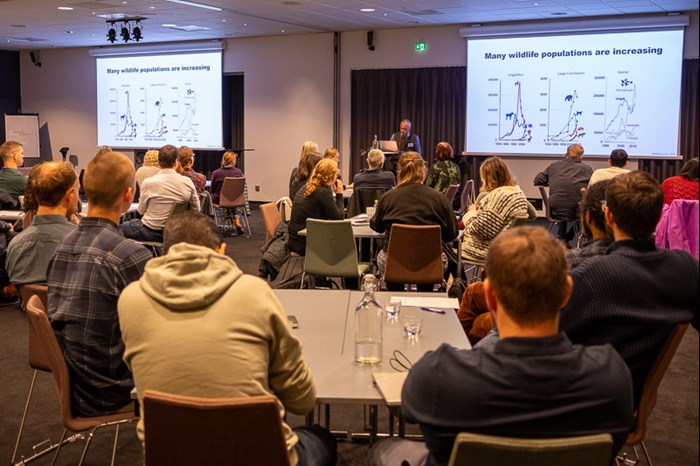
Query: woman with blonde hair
(185, 156)
(228, 170)
(495, 211)
(308, 159)
(412, 203)
(319, 198)
(150, 166)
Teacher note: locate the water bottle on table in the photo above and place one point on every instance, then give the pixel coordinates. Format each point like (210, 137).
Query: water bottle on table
(369, 321)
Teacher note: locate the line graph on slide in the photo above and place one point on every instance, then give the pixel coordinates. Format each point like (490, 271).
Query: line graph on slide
(513, 126)
(571, 113)
(188, 110)
(155, 118)
(126, 125)
(619, 124)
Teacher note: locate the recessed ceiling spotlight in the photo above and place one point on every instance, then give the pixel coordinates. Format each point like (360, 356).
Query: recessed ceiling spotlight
(64, 8)
(152, 7)
(69, 32)
(367, 10)
(245, 24)
(223, 20)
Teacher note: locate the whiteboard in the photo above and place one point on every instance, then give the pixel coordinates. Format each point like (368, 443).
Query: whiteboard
(25, 130)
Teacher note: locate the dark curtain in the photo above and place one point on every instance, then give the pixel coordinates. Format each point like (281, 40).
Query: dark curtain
(689, 126)
(434, 99)
(232, 107)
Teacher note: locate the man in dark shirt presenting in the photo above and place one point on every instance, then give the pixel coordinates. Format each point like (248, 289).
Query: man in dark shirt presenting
(86, 275)
(534, 383)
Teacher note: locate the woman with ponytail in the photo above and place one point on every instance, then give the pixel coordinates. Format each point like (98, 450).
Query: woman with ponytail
(321, 198)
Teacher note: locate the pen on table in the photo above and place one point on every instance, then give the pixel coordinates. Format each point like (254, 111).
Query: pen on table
(430, 309)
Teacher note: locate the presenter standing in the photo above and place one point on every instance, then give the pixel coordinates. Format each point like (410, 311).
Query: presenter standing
(406, 139)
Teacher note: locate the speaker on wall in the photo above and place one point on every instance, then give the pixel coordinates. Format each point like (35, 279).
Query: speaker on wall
(370, 40)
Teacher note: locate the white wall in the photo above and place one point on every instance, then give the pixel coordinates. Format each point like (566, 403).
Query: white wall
(288, 94)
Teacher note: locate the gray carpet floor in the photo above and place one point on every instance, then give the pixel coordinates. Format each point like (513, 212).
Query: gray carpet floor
(672, 438)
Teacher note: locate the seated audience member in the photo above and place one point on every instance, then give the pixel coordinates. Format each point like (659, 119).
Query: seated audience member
(502, 203)
(308, 159)
(54, 187)
(102, 150)
(12, 181)
(149, 168)
(565, 179)
(159, 194)
(374, 177)
(617, 163)
(321, 199)
(593, 223)
(186, 159)
(632, 296)
(228, 170)
(534, 383)
(444, 172)
(195, 308)
(683, 186)
(474, 314)
(412, 203)
(86, 275)
(333, 154)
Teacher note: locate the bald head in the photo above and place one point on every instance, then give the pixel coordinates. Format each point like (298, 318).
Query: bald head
(106, 179)
(50, 182)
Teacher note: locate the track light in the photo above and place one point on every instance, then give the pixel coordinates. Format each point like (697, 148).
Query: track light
(126, 32)
(112, 34)
(136, 32)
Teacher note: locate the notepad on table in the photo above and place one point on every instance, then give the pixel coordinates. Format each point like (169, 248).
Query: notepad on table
(389, 385)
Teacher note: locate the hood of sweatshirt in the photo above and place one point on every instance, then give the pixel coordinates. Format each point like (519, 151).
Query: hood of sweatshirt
(188, 277)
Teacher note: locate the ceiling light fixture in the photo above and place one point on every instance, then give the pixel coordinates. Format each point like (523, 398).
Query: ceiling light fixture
(367, 10)
(195, 4)
(64, 8)
(131, 29)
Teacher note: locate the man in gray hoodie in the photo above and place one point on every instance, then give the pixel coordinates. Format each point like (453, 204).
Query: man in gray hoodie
(195, 308)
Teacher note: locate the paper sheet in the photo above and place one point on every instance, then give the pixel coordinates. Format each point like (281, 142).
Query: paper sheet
(428, 301)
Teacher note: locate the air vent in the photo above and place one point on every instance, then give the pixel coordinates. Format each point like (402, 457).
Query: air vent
(28, 39)
(424, 12)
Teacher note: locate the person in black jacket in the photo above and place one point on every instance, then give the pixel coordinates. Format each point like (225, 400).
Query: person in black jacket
(320, 198)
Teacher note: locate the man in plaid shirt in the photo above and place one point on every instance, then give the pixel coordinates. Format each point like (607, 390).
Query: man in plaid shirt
(86, 275)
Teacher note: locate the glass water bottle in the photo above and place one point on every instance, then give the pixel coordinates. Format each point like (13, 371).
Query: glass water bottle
(369, 320)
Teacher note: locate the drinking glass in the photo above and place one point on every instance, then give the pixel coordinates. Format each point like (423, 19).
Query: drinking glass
(412, 325)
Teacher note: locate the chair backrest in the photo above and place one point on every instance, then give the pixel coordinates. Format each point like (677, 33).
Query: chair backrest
(31, 289)
(45, 341)
(38, 359)
(467, 195)
(647, 400)
(179, 207)
(545, 203)
(363, 198)
(330, 249)
(271, 218)
(414, 255)
(188, 430)
(232, 192)
(8, 202)
(488, 450)
(451, 192)
(27, 219)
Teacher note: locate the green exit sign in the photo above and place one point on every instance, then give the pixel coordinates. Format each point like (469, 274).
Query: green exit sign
(421, 47)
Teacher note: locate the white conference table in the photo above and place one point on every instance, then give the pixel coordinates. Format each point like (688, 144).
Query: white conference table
(327, 332)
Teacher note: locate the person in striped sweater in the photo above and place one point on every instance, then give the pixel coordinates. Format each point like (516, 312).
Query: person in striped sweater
(494, 213)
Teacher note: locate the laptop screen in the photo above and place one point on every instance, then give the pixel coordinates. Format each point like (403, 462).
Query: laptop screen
(388, 146)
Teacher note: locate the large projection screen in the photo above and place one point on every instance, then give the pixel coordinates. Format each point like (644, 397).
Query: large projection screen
(152, 100)
(537, 95)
